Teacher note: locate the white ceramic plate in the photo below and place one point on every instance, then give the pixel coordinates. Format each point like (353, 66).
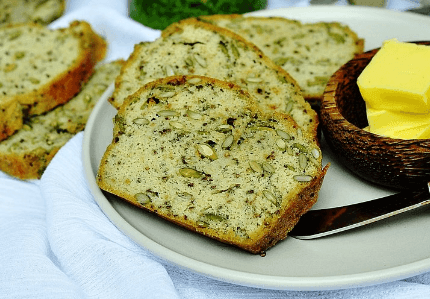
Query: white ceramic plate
(385, 251)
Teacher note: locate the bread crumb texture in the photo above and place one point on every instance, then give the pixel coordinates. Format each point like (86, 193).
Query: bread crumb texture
(27, 153)
(191, 47)
(41, 68)
(34, 11)
(27, 66)
(310, 52)
(202, 154)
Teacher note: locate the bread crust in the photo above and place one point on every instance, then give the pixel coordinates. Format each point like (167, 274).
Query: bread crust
(26, 166)
(59, 89)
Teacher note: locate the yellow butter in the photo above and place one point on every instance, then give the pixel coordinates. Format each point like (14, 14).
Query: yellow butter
(419, 132)
(398, 78)
(395, 124)
(395, 120)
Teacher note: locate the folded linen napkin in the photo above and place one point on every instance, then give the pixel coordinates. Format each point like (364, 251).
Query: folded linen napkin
(86, 244)
(55, 242)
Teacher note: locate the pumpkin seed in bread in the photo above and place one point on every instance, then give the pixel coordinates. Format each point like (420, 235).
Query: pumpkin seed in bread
(310, 52)
(199, 48)
(41, 68)
(27, 153)
(199, 152)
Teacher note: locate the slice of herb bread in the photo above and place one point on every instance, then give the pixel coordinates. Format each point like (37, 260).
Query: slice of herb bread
(199, 48)
(34, 11)
(41, 68)
(27, 153)
(201, 153)
(311, 52)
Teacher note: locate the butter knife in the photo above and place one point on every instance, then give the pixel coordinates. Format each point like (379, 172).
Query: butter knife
(324, 222)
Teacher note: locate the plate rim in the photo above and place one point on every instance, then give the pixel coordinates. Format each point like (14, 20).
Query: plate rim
(315, 283)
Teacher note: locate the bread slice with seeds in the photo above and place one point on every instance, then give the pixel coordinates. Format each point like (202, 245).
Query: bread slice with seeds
(34, 11)
(199, 48)
(309, 52)
(201, 153)
(41, 68)
(27, 153)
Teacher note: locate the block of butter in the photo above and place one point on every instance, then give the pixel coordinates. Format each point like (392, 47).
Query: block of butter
(396, 88)
(385, 119)
(398, 78)
(420, 132)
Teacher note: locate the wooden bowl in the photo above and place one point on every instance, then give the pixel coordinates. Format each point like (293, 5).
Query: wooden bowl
(394, 163)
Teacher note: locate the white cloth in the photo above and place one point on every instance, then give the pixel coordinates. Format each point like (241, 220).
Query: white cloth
(55, 242)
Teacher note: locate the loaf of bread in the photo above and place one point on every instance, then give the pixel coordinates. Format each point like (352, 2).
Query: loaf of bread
(41, 68)
(34, 11)
(201, 153)
(27, 153)
(199, 48)
(310, 52)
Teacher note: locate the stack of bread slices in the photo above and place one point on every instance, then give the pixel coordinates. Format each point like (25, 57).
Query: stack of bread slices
(49, 82)
(215, 131)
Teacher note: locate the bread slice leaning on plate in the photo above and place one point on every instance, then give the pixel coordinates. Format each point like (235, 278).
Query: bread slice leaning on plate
(28, 152)
(41, 68)
(191, 47)
(201, 153)
(310, 52)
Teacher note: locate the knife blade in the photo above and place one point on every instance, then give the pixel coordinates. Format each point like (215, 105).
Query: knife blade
(324, 222)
